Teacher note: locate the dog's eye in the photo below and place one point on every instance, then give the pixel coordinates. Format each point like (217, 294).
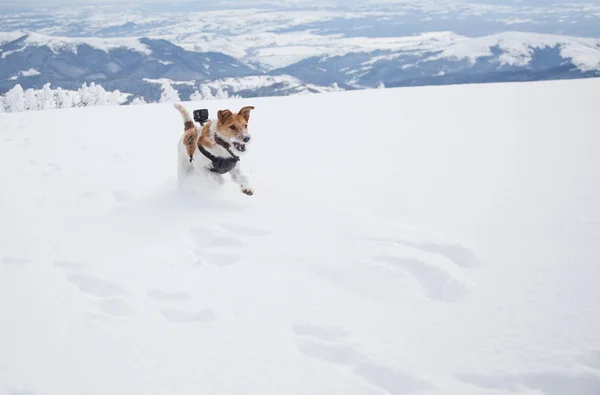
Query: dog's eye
(232, 127)
(245, 126)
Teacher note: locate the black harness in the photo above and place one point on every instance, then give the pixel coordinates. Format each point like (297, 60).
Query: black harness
(220, 165)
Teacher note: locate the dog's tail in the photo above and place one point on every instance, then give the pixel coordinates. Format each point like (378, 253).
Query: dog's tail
(188, 123)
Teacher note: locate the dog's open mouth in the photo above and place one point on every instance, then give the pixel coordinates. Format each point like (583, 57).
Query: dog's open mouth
(239, 146)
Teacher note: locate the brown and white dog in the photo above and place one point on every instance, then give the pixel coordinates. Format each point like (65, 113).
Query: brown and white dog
(221, 140)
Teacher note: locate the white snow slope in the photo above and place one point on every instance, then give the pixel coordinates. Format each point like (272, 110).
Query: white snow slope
(437, 240)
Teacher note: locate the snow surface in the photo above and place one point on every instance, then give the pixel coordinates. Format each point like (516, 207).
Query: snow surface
(436, 240)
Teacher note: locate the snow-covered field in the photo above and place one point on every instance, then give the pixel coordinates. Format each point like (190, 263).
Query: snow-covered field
(438, 240)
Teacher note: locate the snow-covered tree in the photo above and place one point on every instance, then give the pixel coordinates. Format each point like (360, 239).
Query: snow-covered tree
(85, 95)
(203, 94)
(114, 98)
(138, 100)
(381, 85)
(196, 96)
(206, 92)
(336, 87)
(14, 101)
(221, 94)
(168, 94)
(62, 99)
(99, 95)
(46, 98)
(31, 100)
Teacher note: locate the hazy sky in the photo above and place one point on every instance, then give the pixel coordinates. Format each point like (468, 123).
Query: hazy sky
(37, 3)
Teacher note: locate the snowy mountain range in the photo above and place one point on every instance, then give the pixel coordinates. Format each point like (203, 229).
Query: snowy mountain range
(137, 65)
(267, 49)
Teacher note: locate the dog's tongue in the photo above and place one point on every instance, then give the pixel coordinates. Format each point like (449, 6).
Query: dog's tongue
(241, 147)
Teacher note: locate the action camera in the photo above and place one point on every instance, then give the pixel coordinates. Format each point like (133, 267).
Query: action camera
(201, 116)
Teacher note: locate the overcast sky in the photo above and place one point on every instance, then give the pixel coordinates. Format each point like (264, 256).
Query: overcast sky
(51, 3)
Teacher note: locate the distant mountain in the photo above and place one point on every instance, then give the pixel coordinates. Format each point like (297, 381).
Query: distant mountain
(138, 65)
(503, 57)
(32, 60)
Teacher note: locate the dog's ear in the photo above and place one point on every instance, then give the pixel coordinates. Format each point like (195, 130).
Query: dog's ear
(245, 112)
(223, 115)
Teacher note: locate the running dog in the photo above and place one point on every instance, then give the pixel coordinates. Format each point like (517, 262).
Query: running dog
(214, 149)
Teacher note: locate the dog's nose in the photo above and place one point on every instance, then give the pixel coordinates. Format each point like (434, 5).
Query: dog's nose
(246, 139)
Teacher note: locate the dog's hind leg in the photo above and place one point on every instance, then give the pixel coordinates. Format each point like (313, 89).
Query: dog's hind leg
(218, 178)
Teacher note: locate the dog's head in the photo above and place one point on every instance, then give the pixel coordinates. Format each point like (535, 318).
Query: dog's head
(234, 127)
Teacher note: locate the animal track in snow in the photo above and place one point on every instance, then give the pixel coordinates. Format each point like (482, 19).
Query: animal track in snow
(437, 284)
(222, 247)
(243, 230)
(9, 261)
(319, 332)
(120, 196)
(456, 253)
(96, 286)
(181, 317)
(68, 265)
(334, 353)
(23, 143)
(168, 296)
(51, 168)
(549, 383)
(55, 166)
(315, 342)
(218, 258)
(207, 239)
(118, 157)
(112, 296)
(392, 381)
(116, 307)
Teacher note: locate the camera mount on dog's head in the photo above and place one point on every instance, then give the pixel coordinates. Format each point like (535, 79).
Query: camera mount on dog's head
(201, 116)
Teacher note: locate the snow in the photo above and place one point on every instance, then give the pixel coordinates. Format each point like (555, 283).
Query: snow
(240, 17)
(584, 52)
(254, 82)
(254, 39)
(162, 81)
(168, 94)
(9, 36)
(30, 73)
(15, 100)
(71, 43)
(238, 84)
(435, 240)
(275, 50)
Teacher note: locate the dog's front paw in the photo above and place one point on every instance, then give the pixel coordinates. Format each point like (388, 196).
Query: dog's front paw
(248, 191)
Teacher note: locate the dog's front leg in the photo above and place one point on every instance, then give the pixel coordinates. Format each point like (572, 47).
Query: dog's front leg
(241, 180)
